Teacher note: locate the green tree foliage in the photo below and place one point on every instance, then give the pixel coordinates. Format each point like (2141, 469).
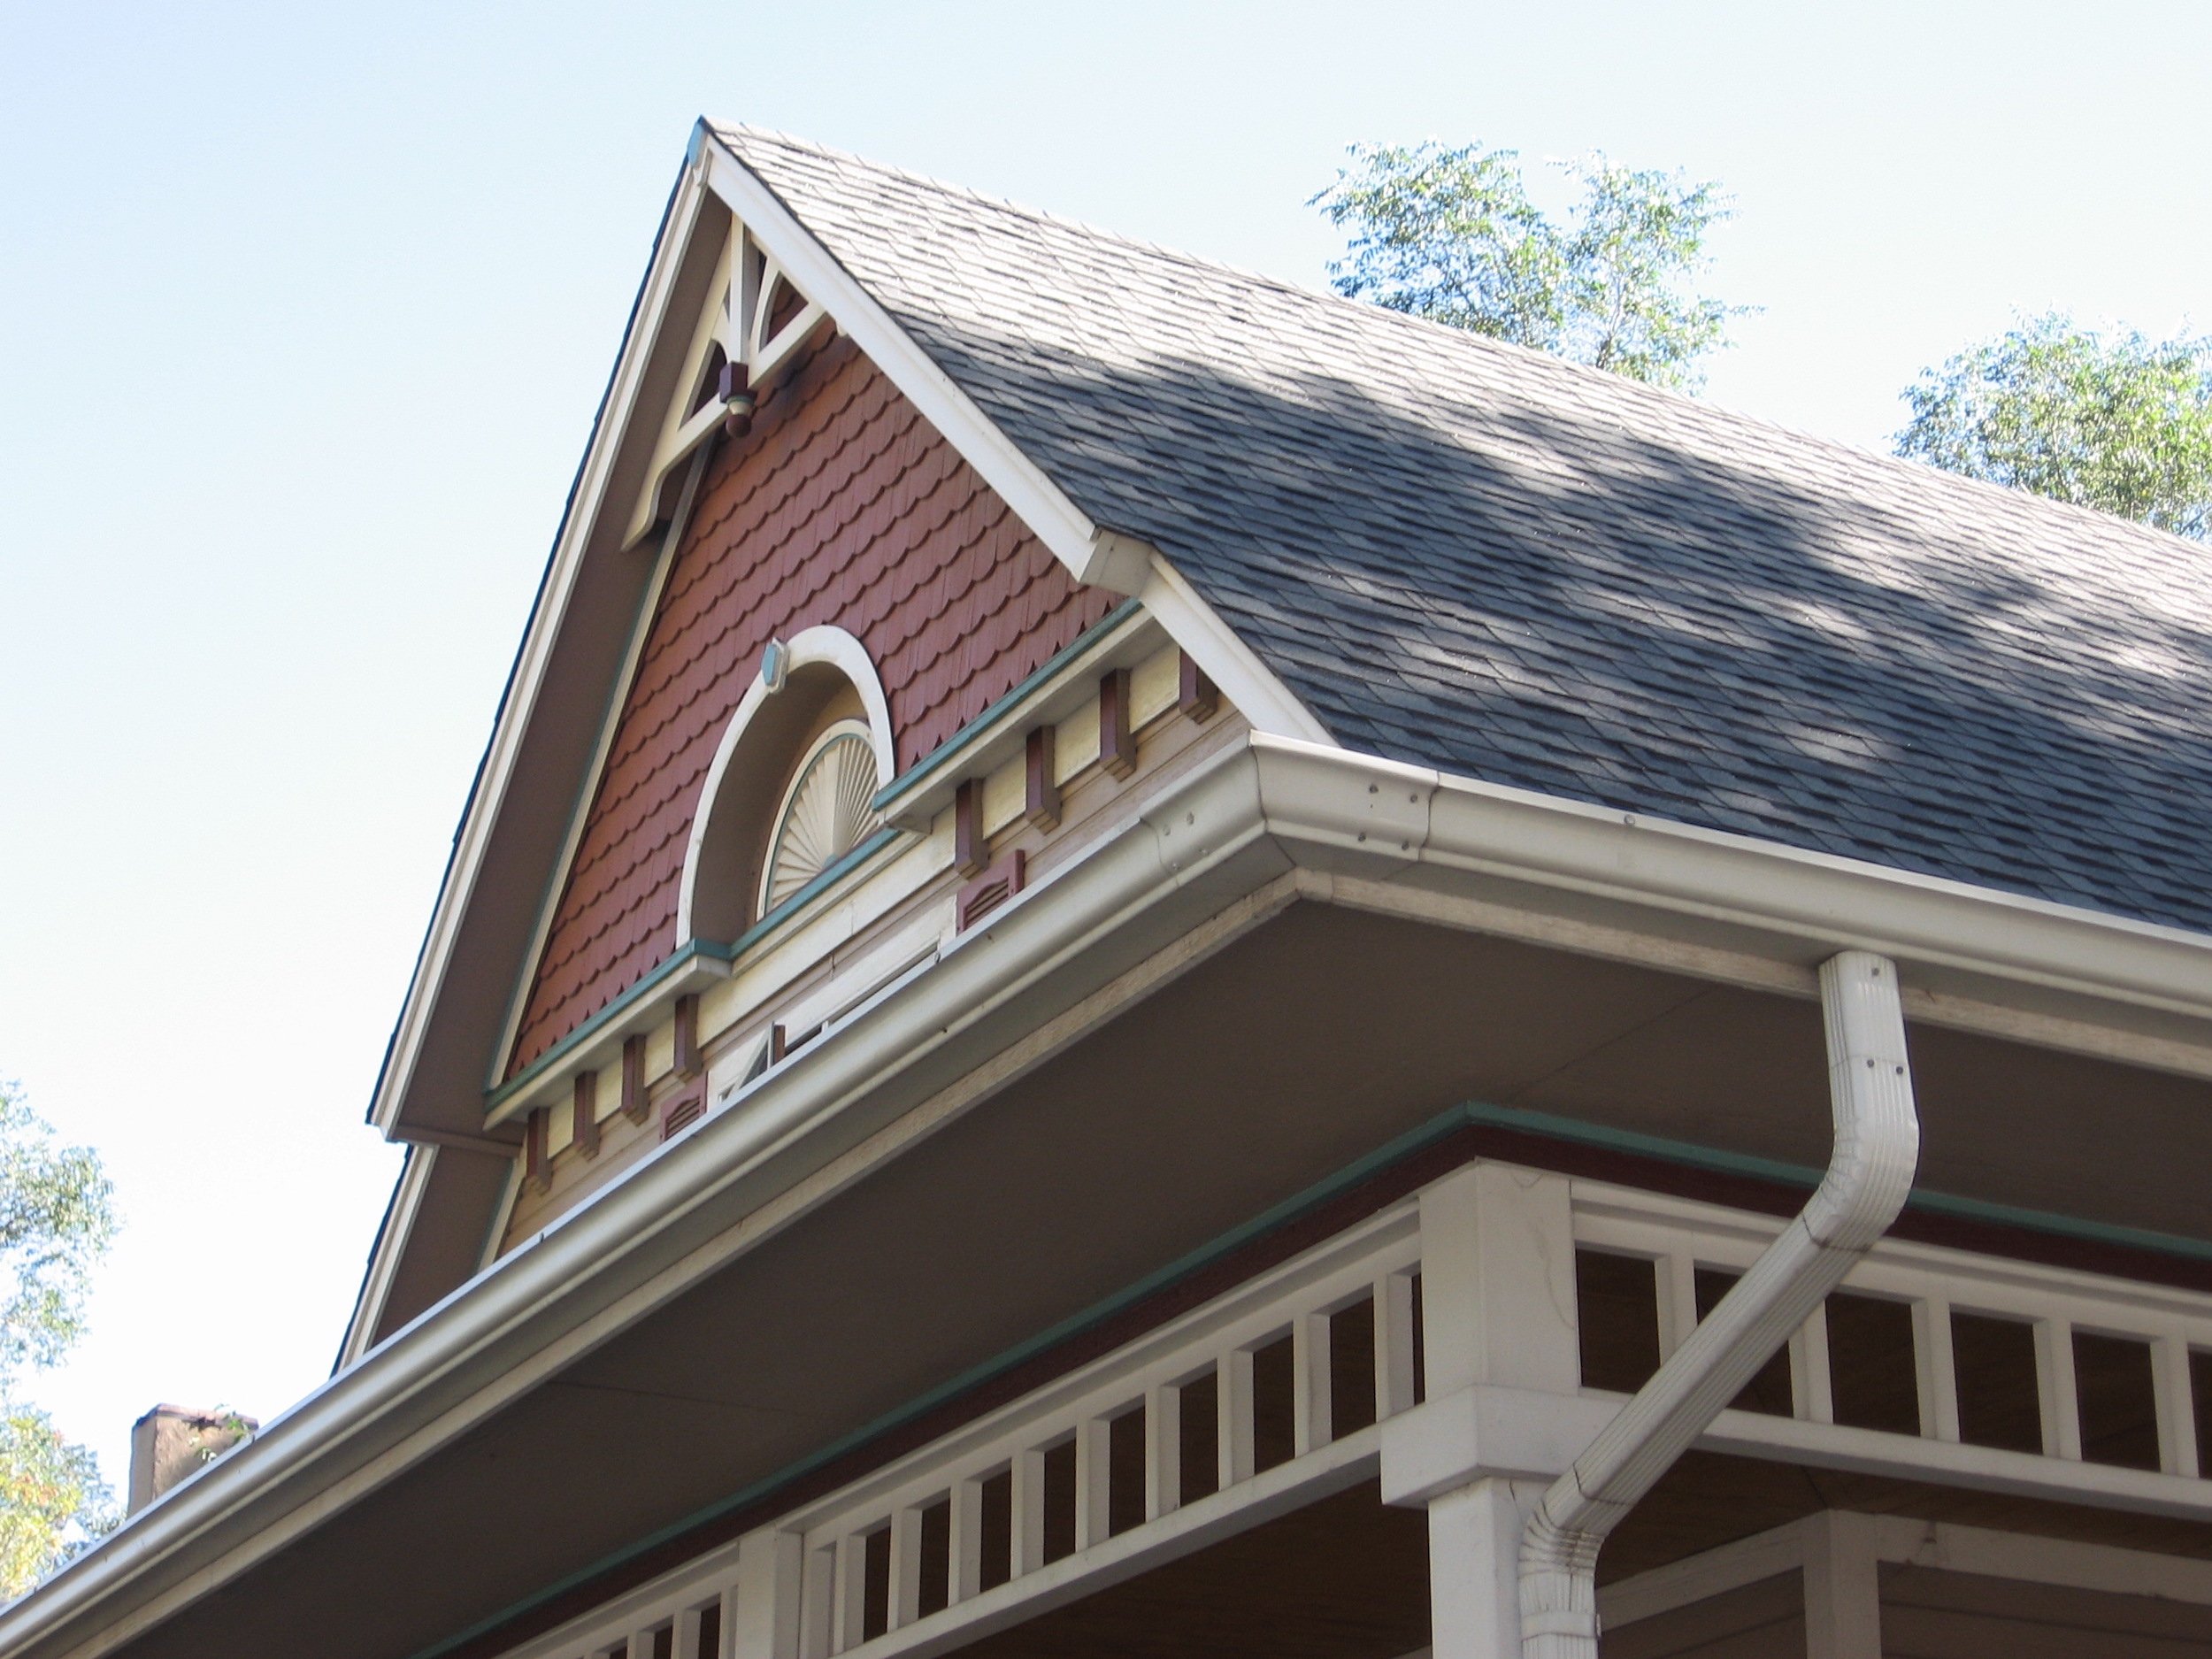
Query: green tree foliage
(1451, 235)
(56, 1220)
(51, 1497)
(2117, 422)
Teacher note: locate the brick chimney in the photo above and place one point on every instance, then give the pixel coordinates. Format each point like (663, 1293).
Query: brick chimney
(170, 1444)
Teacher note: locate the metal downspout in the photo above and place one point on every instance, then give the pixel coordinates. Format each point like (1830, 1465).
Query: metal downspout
(1877, 1146)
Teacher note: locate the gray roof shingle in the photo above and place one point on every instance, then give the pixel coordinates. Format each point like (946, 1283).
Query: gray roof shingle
(1477, 557)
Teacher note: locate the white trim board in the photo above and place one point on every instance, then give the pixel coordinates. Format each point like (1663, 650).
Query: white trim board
(1943, 1546)
(1250, 686)
(1035, 499)
(376, 1285)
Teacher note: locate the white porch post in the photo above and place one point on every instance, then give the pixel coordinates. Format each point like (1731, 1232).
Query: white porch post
(764, 1624)
(1474, 1567)
(1843, 1588)
(1497, 1308)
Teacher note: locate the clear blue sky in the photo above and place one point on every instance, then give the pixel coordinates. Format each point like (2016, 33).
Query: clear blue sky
(304, 310)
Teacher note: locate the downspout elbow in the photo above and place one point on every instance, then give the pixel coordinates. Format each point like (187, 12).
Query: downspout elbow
(1869, 1175)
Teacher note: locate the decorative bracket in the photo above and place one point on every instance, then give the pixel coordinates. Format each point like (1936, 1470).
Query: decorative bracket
(754, 333)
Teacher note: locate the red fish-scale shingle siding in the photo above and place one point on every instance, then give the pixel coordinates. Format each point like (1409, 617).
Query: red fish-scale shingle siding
(843, 506)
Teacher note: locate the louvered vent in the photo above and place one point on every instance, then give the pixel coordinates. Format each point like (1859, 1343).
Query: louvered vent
(827, 813)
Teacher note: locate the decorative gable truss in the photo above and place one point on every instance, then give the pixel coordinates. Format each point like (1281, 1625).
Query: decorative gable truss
(746, 339)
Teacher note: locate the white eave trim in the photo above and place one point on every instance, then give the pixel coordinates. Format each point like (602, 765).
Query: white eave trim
(1414, 817)
(1250, 686)
(414, 1181)
(634, 1247)
(1236, 824)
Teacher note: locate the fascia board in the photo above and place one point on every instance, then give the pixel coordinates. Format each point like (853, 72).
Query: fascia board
(1090, 554)
(578, 529)
(656, 1230)
(1337, 810)
(384, 1256)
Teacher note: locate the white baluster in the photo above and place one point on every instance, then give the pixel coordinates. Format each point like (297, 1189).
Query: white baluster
(2178, 1453)
(1162, 1451)
(1812, 1384)
(2054, 1389)
(1309, 1368)
(1935, 1368)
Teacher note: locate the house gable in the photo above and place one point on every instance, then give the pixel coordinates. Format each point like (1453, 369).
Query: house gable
(553, 951)
(832, 1297)
(842, 506)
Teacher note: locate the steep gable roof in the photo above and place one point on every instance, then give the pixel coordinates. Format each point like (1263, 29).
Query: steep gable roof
(1477, 557)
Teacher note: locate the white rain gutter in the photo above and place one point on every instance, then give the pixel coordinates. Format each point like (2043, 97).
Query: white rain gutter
(669, 1221)
(1877, 1146)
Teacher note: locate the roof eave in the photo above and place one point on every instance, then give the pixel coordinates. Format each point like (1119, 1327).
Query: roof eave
(1740, 909)
(1272, 815)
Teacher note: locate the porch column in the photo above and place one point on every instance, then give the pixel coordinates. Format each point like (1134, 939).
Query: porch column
(1474, 1567)
(1843, 1587)
(764, 1624)
(1498, 1315)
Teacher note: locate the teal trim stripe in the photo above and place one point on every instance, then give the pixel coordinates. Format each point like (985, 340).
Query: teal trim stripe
(1472, 1114)
(1351, 1175)
(969, 736)
(777, 918)
(1557, 1128)
(690, 950)
(560, 1052)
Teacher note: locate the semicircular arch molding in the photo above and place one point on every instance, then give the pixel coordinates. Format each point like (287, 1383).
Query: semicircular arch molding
(827, 677)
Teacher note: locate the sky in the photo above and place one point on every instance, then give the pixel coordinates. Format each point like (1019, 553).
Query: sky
(304, 311)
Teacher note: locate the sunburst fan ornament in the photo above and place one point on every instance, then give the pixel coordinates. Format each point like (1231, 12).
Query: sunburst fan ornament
(826, 814)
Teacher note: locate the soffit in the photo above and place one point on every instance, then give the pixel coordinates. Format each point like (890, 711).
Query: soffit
(1263, 1069)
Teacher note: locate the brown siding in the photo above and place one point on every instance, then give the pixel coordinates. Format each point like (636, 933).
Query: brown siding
(843, 506)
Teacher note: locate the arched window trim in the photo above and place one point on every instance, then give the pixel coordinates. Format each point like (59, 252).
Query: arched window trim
(823, 644)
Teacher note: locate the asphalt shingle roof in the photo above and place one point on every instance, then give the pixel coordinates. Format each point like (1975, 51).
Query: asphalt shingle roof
(1477, 557)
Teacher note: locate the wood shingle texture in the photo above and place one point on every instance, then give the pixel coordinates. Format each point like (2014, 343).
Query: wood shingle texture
(843, 506)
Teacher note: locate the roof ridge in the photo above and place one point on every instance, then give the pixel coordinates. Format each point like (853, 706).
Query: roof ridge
(1024, 210)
